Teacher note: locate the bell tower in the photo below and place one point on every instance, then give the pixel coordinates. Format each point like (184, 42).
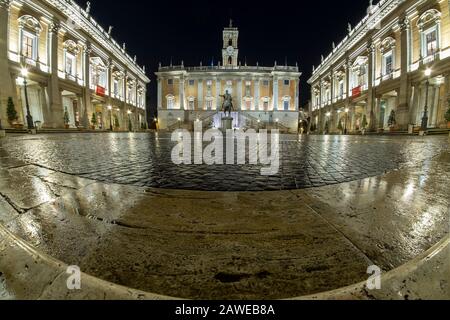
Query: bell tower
(230, 51)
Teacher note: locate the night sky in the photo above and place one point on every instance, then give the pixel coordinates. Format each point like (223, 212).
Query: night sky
(292, 30)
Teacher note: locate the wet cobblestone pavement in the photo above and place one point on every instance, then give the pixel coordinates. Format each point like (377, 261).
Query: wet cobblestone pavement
(145, 160)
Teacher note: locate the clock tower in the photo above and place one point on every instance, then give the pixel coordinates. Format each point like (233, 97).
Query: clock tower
(230, 49)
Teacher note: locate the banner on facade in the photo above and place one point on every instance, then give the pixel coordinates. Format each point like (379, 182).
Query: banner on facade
(356, 92)
(100, 91)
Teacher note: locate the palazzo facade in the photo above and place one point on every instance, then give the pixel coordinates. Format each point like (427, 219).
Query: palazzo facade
(74, 68)
(263, 97)
(389, 67)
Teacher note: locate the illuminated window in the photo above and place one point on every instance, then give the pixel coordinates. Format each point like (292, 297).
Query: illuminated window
(29, 45)
(70, 64)
(431, 42)
(388, 63)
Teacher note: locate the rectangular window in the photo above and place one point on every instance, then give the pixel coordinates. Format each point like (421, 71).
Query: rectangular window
(266, 105)
(287, 82)
(116, 87)
(286, 105)
(341, 88)
(28, 45)
(388, 64)
(266, 83)
(191, 83)
(70, 64)
(431, 43)
(208, 104)
(170, 82)
(170, 103)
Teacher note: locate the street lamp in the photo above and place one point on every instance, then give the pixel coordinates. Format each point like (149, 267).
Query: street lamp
(24, 73)
(424, 125)
(110, 118)
(129, 120)
(179, 123)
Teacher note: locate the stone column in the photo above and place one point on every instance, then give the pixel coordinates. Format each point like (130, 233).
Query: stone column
(46, 112)
(181, 93)
(239, 95)
(275, 93)
(87, 110)
(403, 103)
(370, 106)
(6, 79)
(160, 97)
(200, 94)
(218, 93)
(257, 93)
(57, 118)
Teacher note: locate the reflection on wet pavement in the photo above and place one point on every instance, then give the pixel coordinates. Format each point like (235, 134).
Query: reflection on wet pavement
(145, 160)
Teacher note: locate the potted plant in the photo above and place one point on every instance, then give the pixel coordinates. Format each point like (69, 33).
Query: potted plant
(93, 120)
(116, 122)
(12, 114)
(447, 117)
(66, 118)
(392, 122)
(364, 124)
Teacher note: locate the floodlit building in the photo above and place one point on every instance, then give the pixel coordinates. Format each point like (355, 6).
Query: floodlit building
(388, 68)
(263, 97)
(73, 68)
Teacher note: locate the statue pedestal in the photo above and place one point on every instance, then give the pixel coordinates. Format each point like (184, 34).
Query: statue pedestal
(227, 123)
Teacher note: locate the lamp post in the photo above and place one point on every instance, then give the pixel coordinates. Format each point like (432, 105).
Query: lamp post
(30, 124)
(424, 125)
(347, 110)
(110, 118)
(129, 121)
(327, 124)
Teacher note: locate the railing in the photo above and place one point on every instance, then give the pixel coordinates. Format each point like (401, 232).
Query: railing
(226, 68)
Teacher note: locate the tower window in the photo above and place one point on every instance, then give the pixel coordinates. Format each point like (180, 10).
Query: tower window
(230, 42)
(230, 60)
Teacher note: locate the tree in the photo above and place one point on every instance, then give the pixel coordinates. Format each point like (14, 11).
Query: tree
(116, 121)
(66, 116)
(94, 119)
(11, 111)
(364, 122)
(447, 115)
(392, 121)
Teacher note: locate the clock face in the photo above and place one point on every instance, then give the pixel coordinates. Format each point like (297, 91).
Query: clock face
(230, 50)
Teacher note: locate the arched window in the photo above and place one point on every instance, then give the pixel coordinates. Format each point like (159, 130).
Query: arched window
(98, 72)
(429, 27)
(170, 102)
(265, 103)
(191, 103)
(29, 30)
(230, 42)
